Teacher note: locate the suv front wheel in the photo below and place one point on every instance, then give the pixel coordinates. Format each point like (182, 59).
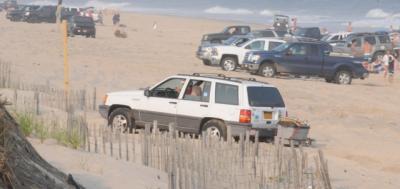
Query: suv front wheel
(215, 129)
(267, 70)
(120, 120)
(343, 77)
(229, 63)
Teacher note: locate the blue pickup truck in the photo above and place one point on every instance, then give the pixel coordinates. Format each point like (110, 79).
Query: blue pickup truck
(306, 58)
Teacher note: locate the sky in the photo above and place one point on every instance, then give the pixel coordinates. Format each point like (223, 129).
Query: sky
(332, 14)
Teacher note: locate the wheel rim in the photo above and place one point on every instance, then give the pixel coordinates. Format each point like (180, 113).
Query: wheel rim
(268, 71)
(213, 132)
(344, 78)
(229, 65)
(119, 123)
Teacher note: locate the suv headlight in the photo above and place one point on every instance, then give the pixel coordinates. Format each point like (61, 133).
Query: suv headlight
(253, 58)
(27, 13)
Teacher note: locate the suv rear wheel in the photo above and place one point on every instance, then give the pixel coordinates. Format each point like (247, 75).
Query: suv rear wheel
(267, 70)
(215, 128)
(120, 120)
(229, 63)
(343, 77)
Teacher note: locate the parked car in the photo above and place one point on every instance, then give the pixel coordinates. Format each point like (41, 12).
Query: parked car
(204, 51)
(43, 14)
(355, 42)
(81, 25)
(225, 34)
(312, 33)
(335, 38)
(18, 14)
(9, 5)
(197, 103)
(306, 58)
(281, 23)
(231, 57)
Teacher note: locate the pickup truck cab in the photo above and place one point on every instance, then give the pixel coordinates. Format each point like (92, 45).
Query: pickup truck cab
(198, 103)
(306, 58)
(231, 57)
(225, 34)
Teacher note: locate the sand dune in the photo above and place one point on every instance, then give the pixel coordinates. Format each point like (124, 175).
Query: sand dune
(357, 126)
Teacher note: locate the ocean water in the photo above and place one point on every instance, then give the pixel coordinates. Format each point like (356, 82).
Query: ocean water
(332, 14)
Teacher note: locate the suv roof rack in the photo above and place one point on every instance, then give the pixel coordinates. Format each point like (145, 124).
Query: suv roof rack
(222, 76)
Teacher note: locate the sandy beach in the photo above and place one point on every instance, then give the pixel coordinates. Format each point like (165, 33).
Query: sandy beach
(357, 126)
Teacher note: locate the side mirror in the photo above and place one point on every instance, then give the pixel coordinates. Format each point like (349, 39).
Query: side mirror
(327, 53)
(147, 92)
(289, 53)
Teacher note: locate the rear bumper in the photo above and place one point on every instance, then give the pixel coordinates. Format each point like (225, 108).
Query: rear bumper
(103, 110)
(239, 128)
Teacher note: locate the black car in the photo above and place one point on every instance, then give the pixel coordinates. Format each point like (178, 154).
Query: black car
(225, 34)
(42, 14)
(81, 25)
(312, 33)
(18, 14)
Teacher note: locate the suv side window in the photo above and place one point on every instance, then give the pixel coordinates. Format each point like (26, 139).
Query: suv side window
(370, 39)
(356, 42)
(298, 49)
(384, 39)
(273, 44)
(169, 89)
(198, 90)
(256, 45)
(226, 94)
(335, 38)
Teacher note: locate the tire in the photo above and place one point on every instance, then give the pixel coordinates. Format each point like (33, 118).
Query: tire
(206, 62)
(378, 56)
(267, 70)
(343, 77)
(329, 80)
(229, 63)
(93, 36)
(215, 128)
(121, 120)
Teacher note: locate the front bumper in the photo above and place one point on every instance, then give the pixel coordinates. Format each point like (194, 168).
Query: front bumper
(239, 128)
(203, 55)
(84, 31)
(103, 110)
(251, 67)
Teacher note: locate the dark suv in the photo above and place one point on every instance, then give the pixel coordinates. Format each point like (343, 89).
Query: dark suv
(18, 14)
(354, 44)
(42, 14)
(81, 25)
(225, 34)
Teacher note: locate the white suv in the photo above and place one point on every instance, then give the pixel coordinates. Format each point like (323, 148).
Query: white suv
(197, 103)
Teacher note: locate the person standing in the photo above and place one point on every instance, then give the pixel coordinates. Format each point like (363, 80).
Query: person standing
(116, 19)
(389, 61)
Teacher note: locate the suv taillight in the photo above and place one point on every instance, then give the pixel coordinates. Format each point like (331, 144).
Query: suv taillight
(245, 116)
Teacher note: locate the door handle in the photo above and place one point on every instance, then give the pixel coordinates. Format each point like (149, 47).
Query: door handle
(204, 105)
(173, 103)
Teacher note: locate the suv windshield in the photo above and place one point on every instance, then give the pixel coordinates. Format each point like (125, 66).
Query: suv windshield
(264, 97)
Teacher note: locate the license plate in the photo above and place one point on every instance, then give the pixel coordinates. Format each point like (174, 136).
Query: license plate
(267, 115)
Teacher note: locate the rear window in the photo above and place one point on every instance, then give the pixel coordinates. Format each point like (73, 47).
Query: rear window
(264, 97)
(83, 19)
(226, 94)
